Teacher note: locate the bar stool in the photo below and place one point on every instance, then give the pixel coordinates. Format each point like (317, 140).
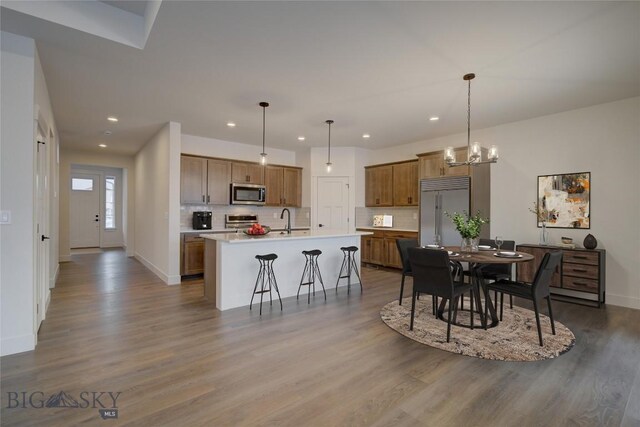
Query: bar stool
(310, 272)
(348, 265)
(266, 279)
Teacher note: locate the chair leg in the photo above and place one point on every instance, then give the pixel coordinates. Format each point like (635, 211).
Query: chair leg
(304, 271)
(344, 259)
(471, 307)
(355, 267)
(511, 302)
(535, 309)
(501, 305)
(486, 308)
(553, 325)
(413, 309)
(401, 289)
(449, 322)
(321, 282)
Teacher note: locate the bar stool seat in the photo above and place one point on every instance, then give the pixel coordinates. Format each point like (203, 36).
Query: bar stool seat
(310, 272)
(348, 266)
(266, 279)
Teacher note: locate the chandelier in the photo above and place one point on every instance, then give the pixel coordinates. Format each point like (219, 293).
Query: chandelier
(474, 151)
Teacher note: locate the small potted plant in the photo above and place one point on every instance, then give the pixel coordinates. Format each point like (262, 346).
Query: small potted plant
(469, 228)
(542, 216)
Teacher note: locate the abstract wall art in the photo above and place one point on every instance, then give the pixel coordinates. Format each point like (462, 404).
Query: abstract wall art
(565, 200)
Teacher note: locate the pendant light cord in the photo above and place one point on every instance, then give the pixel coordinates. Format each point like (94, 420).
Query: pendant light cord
(469, 119)
(264, 109)
(329, 146)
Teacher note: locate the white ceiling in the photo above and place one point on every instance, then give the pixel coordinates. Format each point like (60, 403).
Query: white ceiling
(377, 67)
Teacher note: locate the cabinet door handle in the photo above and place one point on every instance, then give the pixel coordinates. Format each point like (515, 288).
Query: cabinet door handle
(377, 201)
(203, 198)
(409, 199)
(284, 201)
(208, 198)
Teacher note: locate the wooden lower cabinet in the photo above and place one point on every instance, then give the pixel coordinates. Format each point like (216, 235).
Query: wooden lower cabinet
(192, 255)
(581, 274)
(380, 248)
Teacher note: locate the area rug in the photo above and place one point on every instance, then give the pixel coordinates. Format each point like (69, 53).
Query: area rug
(514, 339)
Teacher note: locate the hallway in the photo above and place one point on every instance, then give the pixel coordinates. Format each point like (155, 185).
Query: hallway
(115, 327)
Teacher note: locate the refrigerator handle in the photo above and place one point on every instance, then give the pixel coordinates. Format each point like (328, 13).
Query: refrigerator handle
(438, 215)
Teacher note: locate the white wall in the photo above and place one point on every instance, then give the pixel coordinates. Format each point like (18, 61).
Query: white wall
(210, 147)
(17, 190)
(157, 195)
(102, 160)
(603, 139)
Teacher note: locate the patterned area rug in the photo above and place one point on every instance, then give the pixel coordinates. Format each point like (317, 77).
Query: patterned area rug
(514, 339)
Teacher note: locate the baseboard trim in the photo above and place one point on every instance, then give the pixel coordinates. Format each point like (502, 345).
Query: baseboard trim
(152, 267)
(623, 301)
(174, 280)
(19, 344)
(54, 279)
(46, 303)
(113, 245)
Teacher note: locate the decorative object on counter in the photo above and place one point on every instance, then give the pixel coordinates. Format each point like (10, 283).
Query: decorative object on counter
(257, 230)
(590, 242)
(474, 151)
(566, 240)
(383, 221)
(542, 215)
(329, 122)
(566, 199)
(263, 155)
(469, 228)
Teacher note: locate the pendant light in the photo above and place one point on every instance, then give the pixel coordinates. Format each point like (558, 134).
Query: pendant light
(263, 155)
(329, 122)
(474, 151)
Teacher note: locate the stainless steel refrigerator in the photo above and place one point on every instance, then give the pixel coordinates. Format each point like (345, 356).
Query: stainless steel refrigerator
(448, 194)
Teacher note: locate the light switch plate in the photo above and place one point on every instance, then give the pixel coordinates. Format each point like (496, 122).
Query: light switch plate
(5, 217)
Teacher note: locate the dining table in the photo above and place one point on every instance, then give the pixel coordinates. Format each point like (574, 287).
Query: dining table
(477, 261)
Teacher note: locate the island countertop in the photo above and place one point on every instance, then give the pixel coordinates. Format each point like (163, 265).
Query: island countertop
(241, 237)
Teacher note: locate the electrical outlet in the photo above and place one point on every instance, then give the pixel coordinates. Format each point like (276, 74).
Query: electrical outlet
(275, 215)
(415, 215)
(5, 217)
(307, 215)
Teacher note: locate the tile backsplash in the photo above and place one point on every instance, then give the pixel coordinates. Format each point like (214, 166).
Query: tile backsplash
(299, 216)
(403, 217)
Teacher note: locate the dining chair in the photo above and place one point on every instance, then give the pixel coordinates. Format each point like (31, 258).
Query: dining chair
(432, 274)
(499, 271)
(537, 290)
(403, 248)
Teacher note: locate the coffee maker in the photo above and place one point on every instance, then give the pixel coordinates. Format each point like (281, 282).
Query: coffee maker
(202, 220)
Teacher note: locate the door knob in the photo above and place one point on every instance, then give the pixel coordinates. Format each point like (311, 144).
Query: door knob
(320, 225)
(43, 238)
(97, 220)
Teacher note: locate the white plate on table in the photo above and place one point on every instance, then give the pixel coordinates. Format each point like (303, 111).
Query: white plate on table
(507, 254)
(433, 247)
(486, 248)
(451, 253)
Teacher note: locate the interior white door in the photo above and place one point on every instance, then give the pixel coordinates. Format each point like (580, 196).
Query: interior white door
(84, 211)
(332, 201)
(42, 228)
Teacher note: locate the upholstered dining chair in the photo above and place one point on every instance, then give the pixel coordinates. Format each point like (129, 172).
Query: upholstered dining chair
(499, 271)
(535, 291)
(432, 275)
(403, 248)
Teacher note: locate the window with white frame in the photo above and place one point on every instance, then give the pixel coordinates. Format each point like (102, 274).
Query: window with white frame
(110, 203)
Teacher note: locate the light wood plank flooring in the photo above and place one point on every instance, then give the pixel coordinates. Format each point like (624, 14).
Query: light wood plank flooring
(113, 326)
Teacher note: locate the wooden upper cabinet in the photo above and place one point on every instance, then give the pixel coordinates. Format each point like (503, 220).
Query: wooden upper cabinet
(273, 182)
(379, 185)
(218, 180)
(461, 155)
(248, 173)
(284, 186)
(292, 187)
(193, 180)
(405, 184)
(433, 164)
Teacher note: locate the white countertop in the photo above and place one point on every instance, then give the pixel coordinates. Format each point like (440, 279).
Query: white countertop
(276, 235)
(386, 229)
(230, 230)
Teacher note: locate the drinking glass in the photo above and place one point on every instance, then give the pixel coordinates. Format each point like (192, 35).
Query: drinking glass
(436, 240)
(499, 242)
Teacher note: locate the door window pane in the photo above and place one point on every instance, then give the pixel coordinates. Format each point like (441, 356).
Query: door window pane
(81, 184)
(110, 202)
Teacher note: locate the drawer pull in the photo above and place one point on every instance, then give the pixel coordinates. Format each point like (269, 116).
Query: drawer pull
(579, 270)
(580, 284)
(580, 257)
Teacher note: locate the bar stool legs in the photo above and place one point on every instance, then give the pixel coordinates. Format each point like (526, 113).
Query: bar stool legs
(348, 266)
(310, 272)
(266, 279)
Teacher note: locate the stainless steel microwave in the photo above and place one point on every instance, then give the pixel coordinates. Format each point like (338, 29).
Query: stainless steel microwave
(248, 194)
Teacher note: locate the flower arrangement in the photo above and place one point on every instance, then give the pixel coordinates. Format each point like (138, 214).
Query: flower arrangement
(541, 213)
(468, 226)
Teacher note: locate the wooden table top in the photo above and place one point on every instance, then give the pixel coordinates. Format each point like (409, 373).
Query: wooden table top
(486, 257)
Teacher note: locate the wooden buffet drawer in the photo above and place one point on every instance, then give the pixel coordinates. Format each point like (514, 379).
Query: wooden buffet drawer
(580, 284)
(581, 257)
(580, 270)
(190, 238)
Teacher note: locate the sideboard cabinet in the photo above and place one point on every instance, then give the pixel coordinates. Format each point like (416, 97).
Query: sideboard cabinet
(581, 275)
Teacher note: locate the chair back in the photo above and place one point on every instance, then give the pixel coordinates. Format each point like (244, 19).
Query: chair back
(403, 247)
(542, 280)
(496, 269)
(431, 271)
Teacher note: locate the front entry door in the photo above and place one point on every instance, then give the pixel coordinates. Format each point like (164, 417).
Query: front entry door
(332, 196)
(84, 211)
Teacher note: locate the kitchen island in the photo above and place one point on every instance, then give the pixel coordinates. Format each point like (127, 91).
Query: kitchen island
(230, 267)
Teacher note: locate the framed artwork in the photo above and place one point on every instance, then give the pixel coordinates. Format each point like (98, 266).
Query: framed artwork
(565, 200)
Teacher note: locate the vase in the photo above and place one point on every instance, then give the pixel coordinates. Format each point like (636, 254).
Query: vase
(469, 244)
(590, 242)
(544, 235)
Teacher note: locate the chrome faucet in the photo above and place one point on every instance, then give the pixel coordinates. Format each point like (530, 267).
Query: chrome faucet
(288, 219)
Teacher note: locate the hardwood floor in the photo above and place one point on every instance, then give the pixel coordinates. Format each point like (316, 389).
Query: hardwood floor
(113, 326)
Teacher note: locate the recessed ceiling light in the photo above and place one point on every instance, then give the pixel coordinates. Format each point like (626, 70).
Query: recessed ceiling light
(434, 118)
(107, 132)
(301, 138)
(366, 136)
(231, 124)
(102, 145)
(112, 119)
